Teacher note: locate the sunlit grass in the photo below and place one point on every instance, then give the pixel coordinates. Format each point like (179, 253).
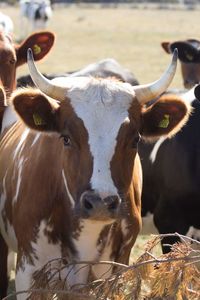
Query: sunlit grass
(131, 36)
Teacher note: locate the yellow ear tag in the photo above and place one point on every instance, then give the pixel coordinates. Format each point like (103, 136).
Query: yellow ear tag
(38, 120)
(164, 123)
(189, 56)
(36, 49)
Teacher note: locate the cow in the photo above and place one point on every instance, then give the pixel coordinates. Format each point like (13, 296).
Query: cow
(171, 179)
(189, 56)
(104, 68)
(70, 174)
(6, 24)
(14, 55)
(37, 12)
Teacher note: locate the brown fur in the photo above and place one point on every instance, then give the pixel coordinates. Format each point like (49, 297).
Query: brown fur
(42, 194)
(14, 55)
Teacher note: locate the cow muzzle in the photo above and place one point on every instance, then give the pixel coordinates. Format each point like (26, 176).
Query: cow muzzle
(93, 206)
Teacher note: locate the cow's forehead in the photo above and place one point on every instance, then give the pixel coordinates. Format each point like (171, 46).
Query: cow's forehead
(97, 92)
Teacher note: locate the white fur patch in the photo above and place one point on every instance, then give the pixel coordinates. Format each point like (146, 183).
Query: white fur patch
(156, 147)
(8, 233)
(67, 189)
(19, 179)
(36, 138)
(193, 233)
(189, 96)
(86, 246)
(103, 106)
(44, 251)
(9, 118)
(21, 143)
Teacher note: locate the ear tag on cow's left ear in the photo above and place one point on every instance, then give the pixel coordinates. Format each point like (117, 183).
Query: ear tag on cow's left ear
(189, 56)
(164, 123)
(36, 49)
(38, 120)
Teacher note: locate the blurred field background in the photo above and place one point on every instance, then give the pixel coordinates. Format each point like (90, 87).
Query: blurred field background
(131, 36)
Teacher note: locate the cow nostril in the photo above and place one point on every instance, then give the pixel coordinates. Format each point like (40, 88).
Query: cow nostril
(87, 204)
(113, 205)
(112, 202)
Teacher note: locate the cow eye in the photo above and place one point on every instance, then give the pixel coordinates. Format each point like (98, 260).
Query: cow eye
(12, 61)
(66, 140)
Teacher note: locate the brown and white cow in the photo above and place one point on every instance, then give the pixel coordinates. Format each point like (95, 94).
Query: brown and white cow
(70, 175)
(14, 55)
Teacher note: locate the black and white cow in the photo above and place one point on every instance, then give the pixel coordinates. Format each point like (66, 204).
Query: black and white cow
(37, 12)
(171, 177)
(189, 57)
(6, 24)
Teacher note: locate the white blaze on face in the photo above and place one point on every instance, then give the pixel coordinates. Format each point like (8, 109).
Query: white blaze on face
(103, 107)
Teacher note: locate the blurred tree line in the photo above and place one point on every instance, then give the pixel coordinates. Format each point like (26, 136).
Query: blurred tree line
(12, 2)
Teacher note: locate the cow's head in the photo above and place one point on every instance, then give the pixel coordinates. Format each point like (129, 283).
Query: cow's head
(189, 56)
(99, 123)
(14, 55)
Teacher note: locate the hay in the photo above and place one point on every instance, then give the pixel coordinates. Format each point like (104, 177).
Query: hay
(172, 276)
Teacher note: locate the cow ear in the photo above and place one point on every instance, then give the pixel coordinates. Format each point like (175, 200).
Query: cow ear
(166, 47)
(35, 110)
(187, 53)
(39, 42)
(164, 118)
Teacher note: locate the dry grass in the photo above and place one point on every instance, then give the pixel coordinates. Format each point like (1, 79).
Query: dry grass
(131, 36)
(172, 276)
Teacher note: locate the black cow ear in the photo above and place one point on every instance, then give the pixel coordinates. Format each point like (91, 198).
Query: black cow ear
(187, 53)
(197, 92)
(166, 47)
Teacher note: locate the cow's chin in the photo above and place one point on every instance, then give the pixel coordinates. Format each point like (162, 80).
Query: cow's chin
(189, 85)
(99, 216)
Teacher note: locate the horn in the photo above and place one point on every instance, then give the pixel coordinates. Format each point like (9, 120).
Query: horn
(44, 84)
(147, 92)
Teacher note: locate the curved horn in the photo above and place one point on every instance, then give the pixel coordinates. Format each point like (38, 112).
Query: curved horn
(44, 84)
(147, 92)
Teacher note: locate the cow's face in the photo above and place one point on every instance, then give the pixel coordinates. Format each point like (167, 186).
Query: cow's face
(8, 62)
(190, 74)
(189, 56)
(99, 121)
(98, 124)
